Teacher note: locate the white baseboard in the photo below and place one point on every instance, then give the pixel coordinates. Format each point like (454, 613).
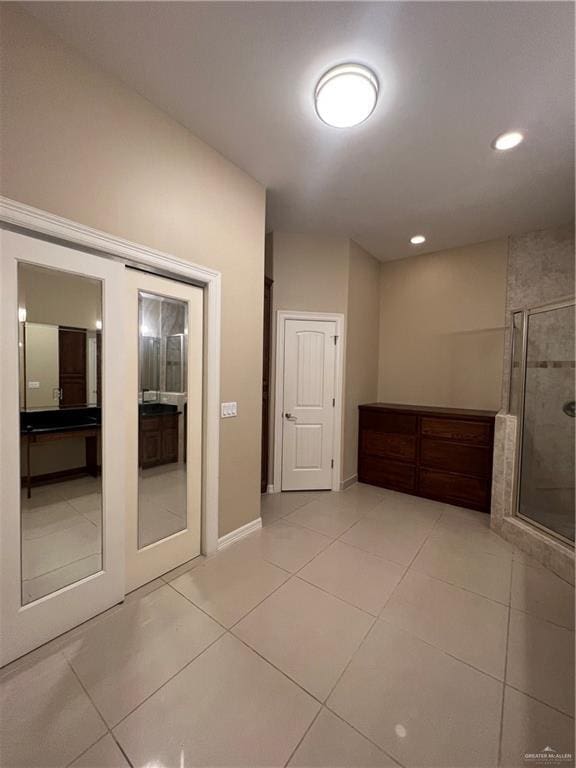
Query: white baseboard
(348, 482)
(270, 489)
(239, 533)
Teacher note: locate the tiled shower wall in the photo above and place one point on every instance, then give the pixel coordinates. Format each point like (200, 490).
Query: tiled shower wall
(540, 271)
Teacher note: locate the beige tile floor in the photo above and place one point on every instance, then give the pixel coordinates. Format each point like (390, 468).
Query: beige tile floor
(365, 628)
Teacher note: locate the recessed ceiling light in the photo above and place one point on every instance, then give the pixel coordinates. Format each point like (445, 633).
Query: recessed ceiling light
(346, 95)
(507, 140)
(417, 239)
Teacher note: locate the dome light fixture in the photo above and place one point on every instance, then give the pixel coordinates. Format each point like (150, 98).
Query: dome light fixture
(507, 140)
(417, 239)
(346, 95)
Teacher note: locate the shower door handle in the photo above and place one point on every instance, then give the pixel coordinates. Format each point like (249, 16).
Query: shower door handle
(569, 408)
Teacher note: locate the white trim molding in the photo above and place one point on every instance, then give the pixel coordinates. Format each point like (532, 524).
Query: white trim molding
(282, 316)
(239, 533)
(35, 222)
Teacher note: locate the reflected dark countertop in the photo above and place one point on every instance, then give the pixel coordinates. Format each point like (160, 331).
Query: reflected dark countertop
(70, 419)
(156, 409)
(60, 420)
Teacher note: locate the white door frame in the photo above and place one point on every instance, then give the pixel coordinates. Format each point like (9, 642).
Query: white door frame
(282, 316)
(35, 221)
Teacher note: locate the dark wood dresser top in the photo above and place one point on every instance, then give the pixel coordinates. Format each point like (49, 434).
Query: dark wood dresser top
(435, 409)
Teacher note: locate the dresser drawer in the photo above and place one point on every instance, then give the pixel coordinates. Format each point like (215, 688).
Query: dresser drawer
(471, 492)
(390, 423)
(387, 473)
(453, 457)
(459, 430)
(389, 445)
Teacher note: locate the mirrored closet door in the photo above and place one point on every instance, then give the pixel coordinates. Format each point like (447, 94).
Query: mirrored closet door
(164, 329)
(62, 494)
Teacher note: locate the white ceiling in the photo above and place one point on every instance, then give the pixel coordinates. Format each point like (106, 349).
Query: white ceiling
(453, 75)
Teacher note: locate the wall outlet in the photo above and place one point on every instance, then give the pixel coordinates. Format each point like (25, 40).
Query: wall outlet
(33, 385)
(228, 409)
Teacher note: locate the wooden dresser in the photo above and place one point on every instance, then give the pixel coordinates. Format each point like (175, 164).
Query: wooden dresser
(440, 453)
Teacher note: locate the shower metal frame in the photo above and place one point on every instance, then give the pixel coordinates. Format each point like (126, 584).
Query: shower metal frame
(526, 313)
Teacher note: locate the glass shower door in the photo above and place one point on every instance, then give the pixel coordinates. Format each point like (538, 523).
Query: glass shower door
(546, 491)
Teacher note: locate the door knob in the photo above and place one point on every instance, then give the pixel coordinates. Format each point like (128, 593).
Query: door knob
(290, 417)
(569, 408)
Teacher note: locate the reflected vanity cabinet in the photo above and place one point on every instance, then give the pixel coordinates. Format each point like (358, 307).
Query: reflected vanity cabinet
(158, 439)
(439, 453)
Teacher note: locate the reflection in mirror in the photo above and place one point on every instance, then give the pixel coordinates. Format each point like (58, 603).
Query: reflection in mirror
(60, 351)
(162, 482)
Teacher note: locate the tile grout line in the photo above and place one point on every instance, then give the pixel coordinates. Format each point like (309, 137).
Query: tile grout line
(121, 748)
(376, 619)
(409, 566)
(199, 608)
(60, 567)
(441, 650)
(91, 700)
(306, 732)
(540, 701)
(154, 692)
(81, 754)
(501, 728)
(336, 597)
(363, 735)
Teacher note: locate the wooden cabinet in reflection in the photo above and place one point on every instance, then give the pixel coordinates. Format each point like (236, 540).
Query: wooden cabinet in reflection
(159, 438)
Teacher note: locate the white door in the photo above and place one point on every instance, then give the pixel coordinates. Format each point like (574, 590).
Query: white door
(308, 408)
(164, 425)
(61, 470)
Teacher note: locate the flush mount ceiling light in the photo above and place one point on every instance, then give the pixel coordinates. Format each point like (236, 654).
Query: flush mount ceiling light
(507, 140)
(417, 239)
(346, 95)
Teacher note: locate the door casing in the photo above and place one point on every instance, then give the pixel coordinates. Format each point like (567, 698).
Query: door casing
(281, 317)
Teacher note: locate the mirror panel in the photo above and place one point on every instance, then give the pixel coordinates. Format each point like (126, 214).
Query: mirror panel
(60, 345)
(162, 402)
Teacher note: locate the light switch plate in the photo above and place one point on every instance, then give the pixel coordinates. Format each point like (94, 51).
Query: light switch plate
(227, 410)
(33, 385)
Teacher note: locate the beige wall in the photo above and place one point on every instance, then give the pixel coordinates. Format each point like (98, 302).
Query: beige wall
(316, 273)
(59, 298)
(310, 272)
(362, 342)
(42, 366)
(78, 143)
(442, 327)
